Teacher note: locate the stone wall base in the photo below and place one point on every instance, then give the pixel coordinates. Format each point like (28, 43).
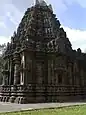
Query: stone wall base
(23, 95)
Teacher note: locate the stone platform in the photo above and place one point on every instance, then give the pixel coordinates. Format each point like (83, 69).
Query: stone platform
(41, 94)
(9, 107)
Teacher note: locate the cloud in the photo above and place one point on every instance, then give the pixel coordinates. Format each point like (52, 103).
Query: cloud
(70, 2)
(77, 37)
(13, 13)
(4, 39)
(59, 6)
(9, 19)
(2, 25)
(82, 3)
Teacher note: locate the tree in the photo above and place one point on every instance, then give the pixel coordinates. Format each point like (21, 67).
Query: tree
(2, 49)
(1, 68)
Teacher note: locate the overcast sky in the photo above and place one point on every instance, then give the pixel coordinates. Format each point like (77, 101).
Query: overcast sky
(71, 13)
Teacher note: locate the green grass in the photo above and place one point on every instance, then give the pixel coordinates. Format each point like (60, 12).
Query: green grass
(74, 110)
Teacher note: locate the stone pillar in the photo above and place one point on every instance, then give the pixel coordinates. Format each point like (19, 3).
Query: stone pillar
(82, 77)
(70, 73)
(16, 60)
(49, 72)
(2, 88)
(3, 79)
(22, 97)
(4, 95)
(22, 77)
(56, 75)
(22, 81)
(39, 72)
(10, 76)
(5, 73)
(52, 72)
(16, 69)
(16, 74)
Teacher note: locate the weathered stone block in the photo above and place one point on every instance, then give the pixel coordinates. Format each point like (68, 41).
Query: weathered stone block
(12, 99)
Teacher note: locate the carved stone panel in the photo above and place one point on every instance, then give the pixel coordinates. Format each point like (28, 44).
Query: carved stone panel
(39, 72)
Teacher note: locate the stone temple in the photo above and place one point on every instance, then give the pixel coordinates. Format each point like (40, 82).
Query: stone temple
(40, 64)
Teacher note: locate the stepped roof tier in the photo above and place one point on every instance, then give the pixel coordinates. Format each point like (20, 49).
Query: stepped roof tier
(39, 29)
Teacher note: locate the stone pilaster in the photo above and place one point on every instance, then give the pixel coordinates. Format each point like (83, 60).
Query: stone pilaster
(70, 73)
(16, 60)
(11, 76)
(22, 73)
(3, 83)
(16, 69)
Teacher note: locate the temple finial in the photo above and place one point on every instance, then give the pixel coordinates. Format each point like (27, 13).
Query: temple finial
(40, 2)
(37, 2)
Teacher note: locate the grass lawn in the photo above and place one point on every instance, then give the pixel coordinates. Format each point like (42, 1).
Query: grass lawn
(74, 110)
